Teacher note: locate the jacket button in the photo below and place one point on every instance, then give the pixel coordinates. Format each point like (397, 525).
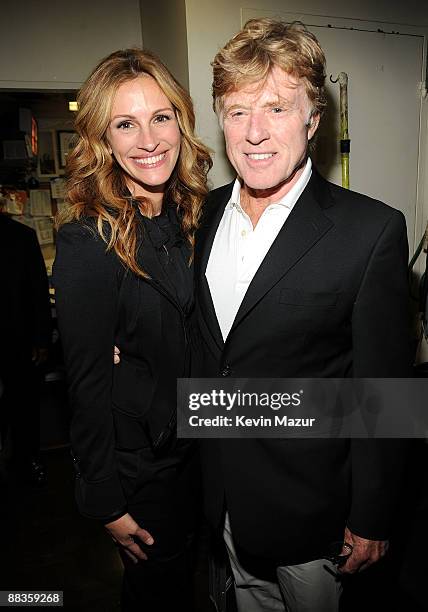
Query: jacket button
(226, 371)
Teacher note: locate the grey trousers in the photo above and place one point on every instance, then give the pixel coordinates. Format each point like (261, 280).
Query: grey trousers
(309, 587)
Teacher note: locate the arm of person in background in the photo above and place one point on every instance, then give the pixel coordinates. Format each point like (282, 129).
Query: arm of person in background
(39, 297)
(87, 281)
(381, 349)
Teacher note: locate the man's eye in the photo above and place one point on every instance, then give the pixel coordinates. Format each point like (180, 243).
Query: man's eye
(277, 109)
(236, 114)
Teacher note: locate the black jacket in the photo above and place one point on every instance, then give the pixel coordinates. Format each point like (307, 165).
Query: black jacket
(330, 299)
(116, 409)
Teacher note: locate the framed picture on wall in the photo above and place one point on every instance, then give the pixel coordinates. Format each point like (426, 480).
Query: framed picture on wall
(66, 142)
(47, 165)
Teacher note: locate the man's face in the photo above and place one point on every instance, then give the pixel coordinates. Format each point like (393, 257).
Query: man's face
(267, 129)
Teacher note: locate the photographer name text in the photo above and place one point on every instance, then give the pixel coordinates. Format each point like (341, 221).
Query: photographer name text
(244, 421)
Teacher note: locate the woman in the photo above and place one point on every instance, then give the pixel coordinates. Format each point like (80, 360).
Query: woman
(137, 179)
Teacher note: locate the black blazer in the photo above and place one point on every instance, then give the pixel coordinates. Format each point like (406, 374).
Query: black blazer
(330, 299)
(117, 410)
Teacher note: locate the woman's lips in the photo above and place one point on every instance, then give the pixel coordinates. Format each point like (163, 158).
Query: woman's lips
(149, 162)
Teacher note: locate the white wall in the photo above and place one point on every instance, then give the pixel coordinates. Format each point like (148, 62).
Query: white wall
(209, 26)
(54, 44)
(164, 33)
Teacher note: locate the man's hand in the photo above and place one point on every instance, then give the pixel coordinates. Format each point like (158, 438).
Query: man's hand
(365, 552)
(116, 355)
(126, 533)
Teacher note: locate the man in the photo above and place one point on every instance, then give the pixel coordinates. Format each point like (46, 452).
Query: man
(25, 331)
(296, 277)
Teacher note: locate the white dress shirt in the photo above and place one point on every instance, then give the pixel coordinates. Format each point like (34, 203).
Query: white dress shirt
(239, 249)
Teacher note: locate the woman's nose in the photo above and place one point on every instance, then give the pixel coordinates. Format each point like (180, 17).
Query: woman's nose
(147, 139)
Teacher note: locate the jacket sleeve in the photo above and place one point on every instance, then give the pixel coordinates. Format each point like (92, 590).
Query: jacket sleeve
(381, 349)
(86, 280)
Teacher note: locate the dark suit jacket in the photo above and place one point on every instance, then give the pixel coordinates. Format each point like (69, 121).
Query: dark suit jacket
(330, 299)
(117, 410)
(25, 316)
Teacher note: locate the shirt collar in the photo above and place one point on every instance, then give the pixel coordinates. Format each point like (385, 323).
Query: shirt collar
(290, 198)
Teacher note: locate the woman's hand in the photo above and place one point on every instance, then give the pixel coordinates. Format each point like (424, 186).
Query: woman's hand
(116, 355)
(126, 533)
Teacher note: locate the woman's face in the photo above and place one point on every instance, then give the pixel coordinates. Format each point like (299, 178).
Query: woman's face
(143, 136)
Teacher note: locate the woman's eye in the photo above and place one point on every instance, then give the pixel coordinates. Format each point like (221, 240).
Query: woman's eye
(124, 125)
(162, 118)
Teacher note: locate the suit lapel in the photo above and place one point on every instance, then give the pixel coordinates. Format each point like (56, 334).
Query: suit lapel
(213, 212)
(305, 226)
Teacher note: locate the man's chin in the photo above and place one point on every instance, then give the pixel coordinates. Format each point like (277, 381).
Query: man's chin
(263, 188)
(267, 186)
(260, 183)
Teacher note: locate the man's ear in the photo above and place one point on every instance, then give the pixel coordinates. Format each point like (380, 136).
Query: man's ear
(313, 124)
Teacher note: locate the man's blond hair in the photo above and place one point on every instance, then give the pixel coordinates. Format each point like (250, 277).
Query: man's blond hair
(262, 44)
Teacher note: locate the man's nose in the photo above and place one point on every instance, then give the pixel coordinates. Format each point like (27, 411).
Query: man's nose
(257, 128)
(147, 138)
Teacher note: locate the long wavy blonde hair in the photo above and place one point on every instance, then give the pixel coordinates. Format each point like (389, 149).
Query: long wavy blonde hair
(96, 184)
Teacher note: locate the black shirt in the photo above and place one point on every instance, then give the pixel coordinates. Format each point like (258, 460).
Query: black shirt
(173, 253)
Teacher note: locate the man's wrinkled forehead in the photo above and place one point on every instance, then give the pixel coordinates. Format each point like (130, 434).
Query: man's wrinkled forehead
(277, 87)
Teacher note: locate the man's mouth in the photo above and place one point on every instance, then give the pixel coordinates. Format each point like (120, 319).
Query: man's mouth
(258, 156)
